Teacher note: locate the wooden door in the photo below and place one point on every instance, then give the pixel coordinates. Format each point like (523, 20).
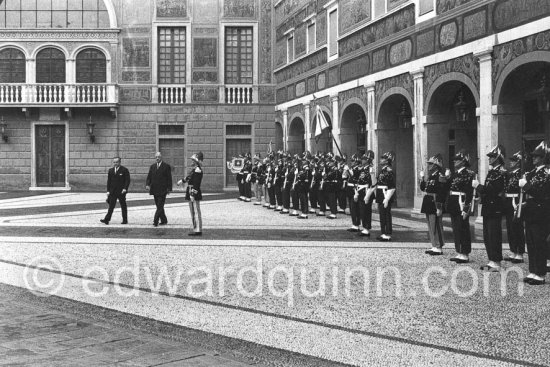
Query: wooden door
(173, 153)
(233, 148)
(50, 155)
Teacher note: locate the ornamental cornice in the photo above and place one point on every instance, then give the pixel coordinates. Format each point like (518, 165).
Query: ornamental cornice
(63, 35)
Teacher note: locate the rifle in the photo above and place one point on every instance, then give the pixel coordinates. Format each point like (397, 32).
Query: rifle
(322, 179)
(295, 178)
(473, 197)
(517, 212)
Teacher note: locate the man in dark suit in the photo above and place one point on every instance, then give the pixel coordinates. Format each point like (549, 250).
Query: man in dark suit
(118, 180)
(159, 184)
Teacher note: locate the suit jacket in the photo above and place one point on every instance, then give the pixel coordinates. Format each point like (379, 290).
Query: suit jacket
(159, 179)
(120, 181)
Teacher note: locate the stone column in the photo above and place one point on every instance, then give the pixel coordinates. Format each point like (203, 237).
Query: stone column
(420, 136)
(307, 126)
(336, 125)
(486, 137)
(372, 143)
(285, 130)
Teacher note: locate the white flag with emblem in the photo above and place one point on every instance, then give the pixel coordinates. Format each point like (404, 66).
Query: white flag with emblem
(322, 123)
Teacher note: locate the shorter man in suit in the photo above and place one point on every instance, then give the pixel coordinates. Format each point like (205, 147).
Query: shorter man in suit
(159, 184)
(118, 180)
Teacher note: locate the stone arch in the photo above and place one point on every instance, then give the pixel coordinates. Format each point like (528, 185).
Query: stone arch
(50, 45)
(112, 14)
(324, 142)
(392, 92)
(296, 134)
(81, 48)
(449, 77)
(353, 128)
(16, 46)
(354, 100)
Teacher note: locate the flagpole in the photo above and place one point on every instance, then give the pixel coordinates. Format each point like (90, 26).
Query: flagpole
(334, 140)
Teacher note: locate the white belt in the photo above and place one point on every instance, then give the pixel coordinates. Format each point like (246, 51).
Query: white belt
(512, 195)
(457, 193)
(351, 185)
(381, 187)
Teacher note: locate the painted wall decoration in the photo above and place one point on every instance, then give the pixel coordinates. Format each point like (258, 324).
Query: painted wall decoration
(392, 4)
(400, 52)
(379, 59)
(299, 109)
(266, 94)
(303, 66)
(205, 52)
(136, 76)
(135, 52)
(135, 94)
(239, 8)
(333, 76)
(205, 94)
(505, 53)
(425, 43)
(324, 102)
(265, 60)
(300, 89)
(286, 8)
(358, 92)
(300, 40)
(136, 12)
(311, 84)
(321, 29)
(466, 65)
(355, 68)
(205, 77)
(511, 13)
(281, 95)
(171, 8)
(205, 31)
(280, 55)
(448, 34)
(426, 6)
(206, 11)
(403, 81)
(443, 6)
(291, 92)
(322, 81)
(353, 12)
(475, 25)
(385, 27)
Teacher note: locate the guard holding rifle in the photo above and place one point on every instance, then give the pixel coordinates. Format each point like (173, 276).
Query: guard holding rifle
(364, 193)
(385, 194)
(351, 178)
(492, 207)
(536, 187)
(514, 224)
(302, 188)
(432, 204)
(458, 205)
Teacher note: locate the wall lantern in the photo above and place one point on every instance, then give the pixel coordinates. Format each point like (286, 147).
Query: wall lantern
(405, 116)
(543, 95)
(361, 131)
(90, 128)
(461, 109)
(3, 128)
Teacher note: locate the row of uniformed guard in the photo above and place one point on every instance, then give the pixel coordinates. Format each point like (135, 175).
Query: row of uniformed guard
(522, 199)
(324, 185)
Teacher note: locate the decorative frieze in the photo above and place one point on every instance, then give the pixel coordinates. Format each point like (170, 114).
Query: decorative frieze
(136, 76)
(512, 13)
(444, 6)
(136, 95)
(205, 95)
(355, 68)
(425, 43)
(403, 81)
(239, 9)
(171, 8)
(353, 12)
(400, 52)
(448, 34)
(358, 92)
(302, 66)
(63, 35)
(466, 65)
(475, 25)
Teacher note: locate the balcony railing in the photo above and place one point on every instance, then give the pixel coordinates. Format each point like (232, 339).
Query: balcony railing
(57, 93)
(240, 94)
(171, 94)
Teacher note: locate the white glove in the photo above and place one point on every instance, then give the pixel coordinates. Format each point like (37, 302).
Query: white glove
(475, 183)
(522, 182)
(356, 197)
(447, 173)
(439, 212)
(386, 203)
(421, 175)
(180, 182)
(464, 215)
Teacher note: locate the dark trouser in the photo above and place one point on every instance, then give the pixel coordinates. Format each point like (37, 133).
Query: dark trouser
(461, 234)
(365, 212)
(355, 209)
(112, 204)
(516, 234)
(314, 197)
(330, 200)
(435, 230)
(159, 213)
(342, 198)
(492, 237)
(271, 192)
(286, 197)
(241, 187)
(247, 189)
(385, 219)
(295, 199)
(321, 198)
(303, 202)
(537, 247)
(279, 195)
(196, 217)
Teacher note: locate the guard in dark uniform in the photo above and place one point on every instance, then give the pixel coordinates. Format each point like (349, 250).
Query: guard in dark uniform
(240, 181)
(514, 225)
(342, 178)
(365, 191)
(491, 194)
(279, 182)
(316, 174)
(536, 186)
(193, 193)
(246, 173)
(257, 179)
(458, 203)
(385, 194)
(287, 185)
(432, 204)
(351, 177)
(302, 188)
(297, 167)
(269, 187)
(330, 188)
(321, 193)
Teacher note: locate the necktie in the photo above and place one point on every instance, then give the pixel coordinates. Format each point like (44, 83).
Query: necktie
(158, 165)
(116, 170)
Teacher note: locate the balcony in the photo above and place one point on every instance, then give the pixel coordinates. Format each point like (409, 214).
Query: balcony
(58, 94)
(241, 94)
(181, 94)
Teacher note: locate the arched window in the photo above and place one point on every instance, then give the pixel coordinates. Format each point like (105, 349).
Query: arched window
(12, 66)
(91, 66)
(50, 66)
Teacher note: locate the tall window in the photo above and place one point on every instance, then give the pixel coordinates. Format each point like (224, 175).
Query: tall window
(238, 55)
(333, 33)
(53, 14)
(290, 48)
(50, 66)
(91, 66)
(12, 66)
(311, 37)
(172, 62)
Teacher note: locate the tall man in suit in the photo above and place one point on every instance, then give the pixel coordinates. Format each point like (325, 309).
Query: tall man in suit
(118, 180)
(159, 184)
